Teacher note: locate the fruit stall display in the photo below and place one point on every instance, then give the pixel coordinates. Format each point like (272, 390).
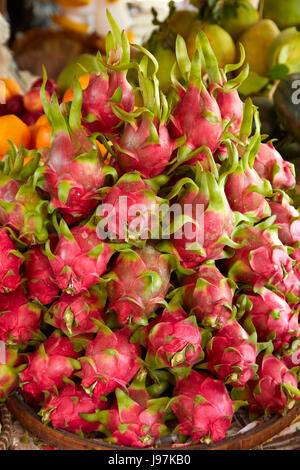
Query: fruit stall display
(137, 338)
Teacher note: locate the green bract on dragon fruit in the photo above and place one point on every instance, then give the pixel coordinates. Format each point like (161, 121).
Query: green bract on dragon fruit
(148, 291)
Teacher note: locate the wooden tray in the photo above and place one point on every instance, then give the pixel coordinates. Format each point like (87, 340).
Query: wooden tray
(265, 430)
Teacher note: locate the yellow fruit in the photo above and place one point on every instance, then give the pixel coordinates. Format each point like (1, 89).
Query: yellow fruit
(72, 3)
(285, 13)
(286, 50)
(237, 20)
(182, 22)
(220, 41)
(70, 25)
(257, 42)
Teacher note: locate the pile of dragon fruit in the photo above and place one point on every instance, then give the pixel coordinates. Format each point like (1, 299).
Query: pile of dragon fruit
(142, 339)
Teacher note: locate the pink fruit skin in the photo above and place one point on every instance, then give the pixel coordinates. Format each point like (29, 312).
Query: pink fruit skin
(217, 224)
(284, 322)
(128, 294)
(46, 369)
(148, 159)
(270, 165)
(8, 374)
(202, 418)
(229, 348)
(66, 408)
(74, 269)
(212, 301)
(111, 362)
(83, 307)
(10, 264)
(231, 107)
(83, 177)
(40, 277)
(288, 219)
(272, 374)
(96, 101)
(188, 118)
(261, 260)
(171, 334)
(136, 192)
(20, 319)
(240, 198)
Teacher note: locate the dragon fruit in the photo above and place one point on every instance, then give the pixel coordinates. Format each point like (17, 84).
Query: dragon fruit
(64, 410)
(40, 277)
(110, 361)
(53, 363)
(202, 124)
(291, 356)
(270, 165)
(205, 236)
(9, 373)
(21, 207)
(10, 262)
(128, 210)
(203, 407)
(287, 217)
(261, 258)
(77, 314)
(19, 318)
(208, 295)
(227, 96)
(129, 423)
(174, 341)
(138, 283)
(79, 258)
(276, 389)
(271, 316)
(232, 355)
(109, 86)
(73, 171)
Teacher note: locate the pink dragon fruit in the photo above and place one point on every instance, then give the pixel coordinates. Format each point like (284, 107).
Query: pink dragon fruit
(139, 281)
(9, 373)
(272, 317)
(21, 207)
(64, 410)
(39, 276)
(174, 341)
(203, 407)
(270, 165)
(261, 258)
(232, 355)
(128, 210)
(202, 124)
(287, 217)
(276, 389)
(109, 86)
(205, 236)
(73, 171)
(79, 258)
(128, 423)
(246, 192)
(207, 294)
(10, 262)
(77, 314)
(54, 362)
(227, 96)
(110, 361)
(19, 319)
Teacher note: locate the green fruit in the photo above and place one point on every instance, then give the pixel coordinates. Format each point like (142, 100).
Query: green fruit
(257, 41)
(285, 13)
(286, 50)
(166, 59)
(182, 21)
(220, 41)
(236, 20)
(77, 67)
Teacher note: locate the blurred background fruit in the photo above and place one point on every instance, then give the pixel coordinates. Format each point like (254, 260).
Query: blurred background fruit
(237, 17)
(285, 13)
(15, 130)
(77, 67)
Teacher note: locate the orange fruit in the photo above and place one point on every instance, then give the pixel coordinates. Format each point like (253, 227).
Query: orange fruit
(11, 88)
(15, 130)
(84, 81)
(41, 133)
